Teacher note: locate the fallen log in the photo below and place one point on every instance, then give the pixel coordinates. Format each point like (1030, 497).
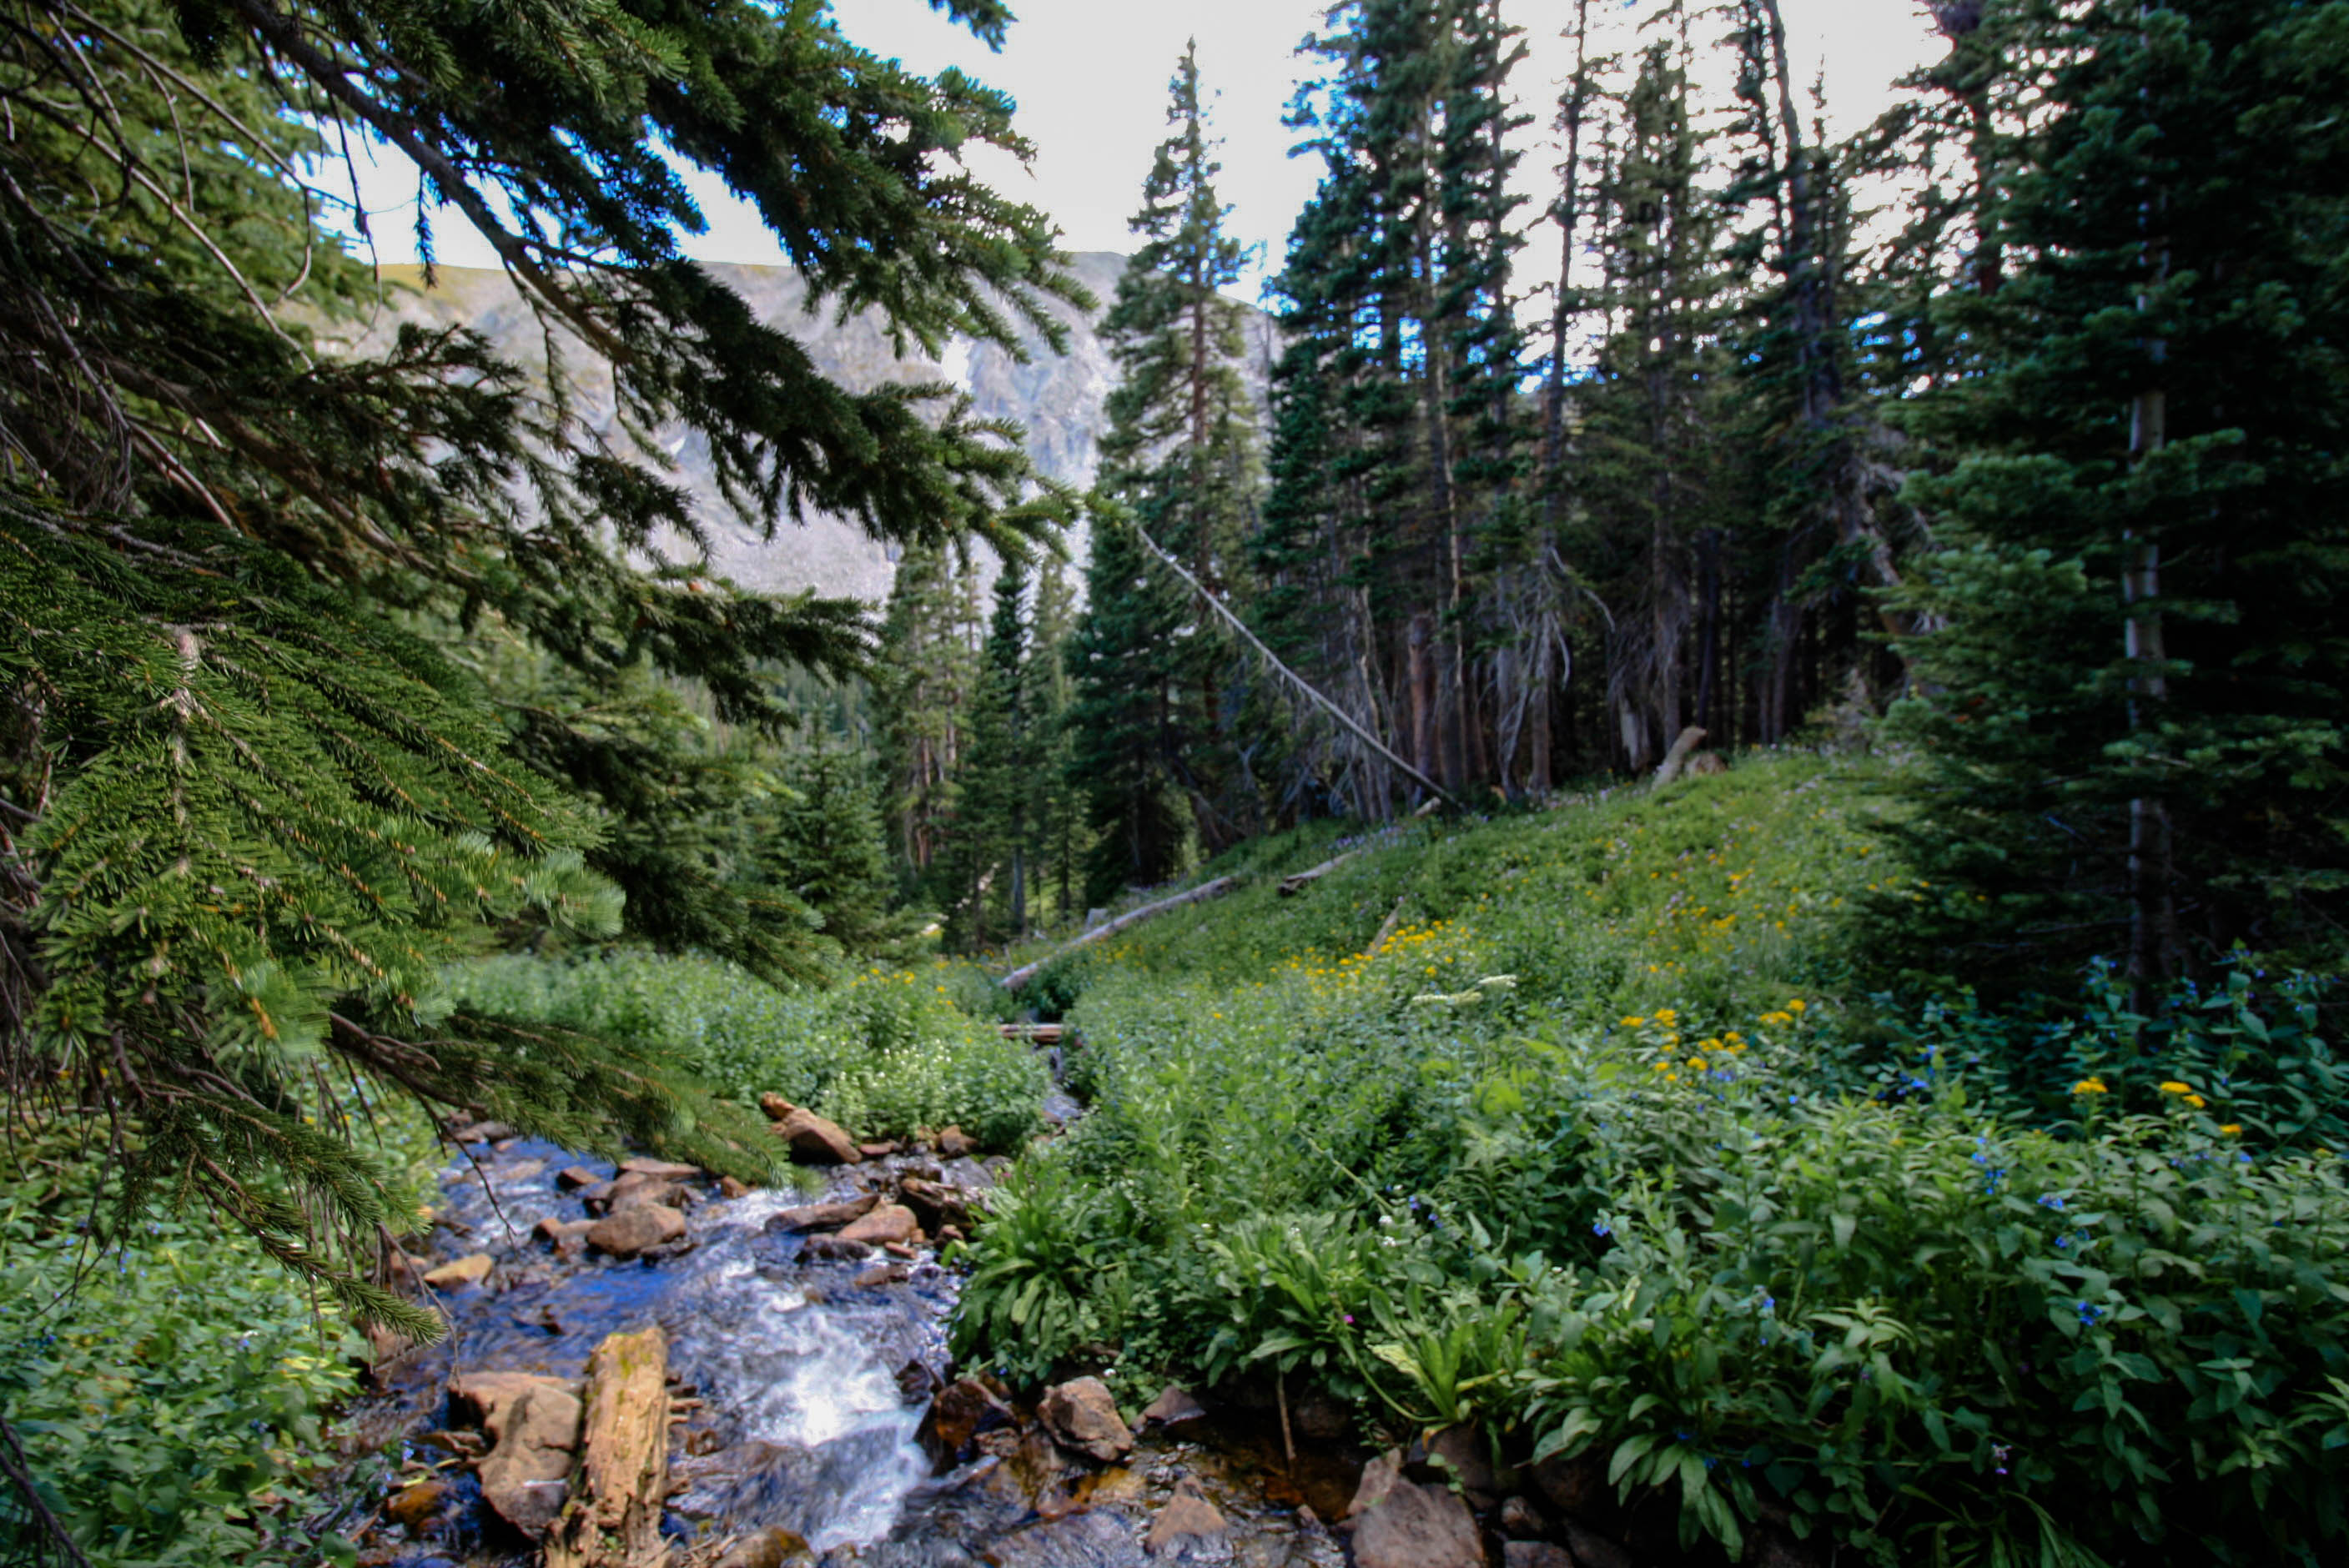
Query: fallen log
(1291, 886)
(1387, 927)
(1109, 928)
(613, 1517)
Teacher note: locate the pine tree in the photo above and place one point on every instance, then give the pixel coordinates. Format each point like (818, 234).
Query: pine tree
(2131, 716)
(1059, 811)
(925, 679)
(1157, 674)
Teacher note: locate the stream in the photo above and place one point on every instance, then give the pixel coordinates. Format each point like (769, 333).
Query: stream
(812, 1372)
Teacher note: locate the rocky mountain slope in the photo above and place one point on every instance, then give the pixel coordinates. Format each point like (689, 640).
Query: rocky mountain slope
(1055, 398)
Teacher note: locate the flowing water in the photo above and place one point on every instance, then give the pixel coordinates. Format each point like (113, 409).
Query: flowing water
(812, 1376)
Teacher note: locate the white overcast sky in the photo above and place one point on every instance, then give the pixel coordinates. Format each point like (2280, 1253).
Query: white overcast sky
(1090, 78)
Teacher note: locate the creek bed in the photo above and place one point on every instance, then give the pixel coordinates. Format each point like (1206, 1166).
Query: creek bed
(811, 1375)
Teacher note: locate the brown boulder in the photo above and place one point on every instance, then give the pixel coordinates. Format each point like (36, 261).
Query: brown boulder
(963, 1408)
(1082, 1415)
(954, 1144)
(1379, 1478)
(731, 1187)
(774, 1107)
(534, 1427)
(634, 1191)
(824, 1216)
(1457, 1454)
(1187, 1516)
(814, 1140)
(470, 1270)
(886, 1223)
(1415, 1526)
(834, 1250)
(570, 1178)
(1173, 1407)
(413, 1505)
(876, 1150)
(631, 1230)
(769, 1548)
(934, 1203)
(557, 1232)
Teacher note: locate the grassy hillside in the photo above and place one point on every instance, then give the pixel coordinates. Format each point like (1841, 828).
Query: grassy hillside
(1597, 1150)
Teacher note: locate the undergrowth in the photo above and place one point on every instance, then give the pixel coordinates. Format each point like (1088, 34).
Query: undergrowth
(1599, 1149)
(883, 1053)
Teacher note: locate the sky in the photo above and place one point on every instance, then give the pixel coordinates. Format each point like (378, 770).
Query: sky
(1090, 78)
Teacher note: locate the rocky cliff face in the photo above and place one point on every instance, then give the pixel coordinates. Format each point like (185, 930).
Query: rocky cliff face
(1055, 398)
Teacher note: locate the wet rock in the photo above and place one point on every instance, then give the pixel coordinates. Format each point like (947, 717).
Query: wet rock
(1415, 1526)
(1187, 1517)
(1535, 1554)
(1115, 1486)
(732, 1187)
(949, 1234)
(1065, 1542)
(557, 1232)
(1774, 1548)
(1379, 1478)
(1321, 1417)
(632, 1231)
(661, 1169)
(768, 1549)
(1082, 1415)
(825, 1216)
(1519, 1517)
(570, 1178)
(886, 1273)
(876, 1150)
(483, 1133)
(519, 1170)
(595, 1195)
(1458, 1454)
(917, 1381)
(934, 1203)
(534, 1428)
(813, 1140)
(1572, 1485)
(1594, 1550)
(1173, 1407)
(954, 1144)
(887, 1223)
(963, 1408)
(637, 1190)
(472, 1270)
(834, 1250)
(413, 1505)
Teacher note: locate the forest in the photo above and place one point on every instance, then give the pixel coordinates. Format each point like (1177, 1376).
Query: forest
(1653, 873)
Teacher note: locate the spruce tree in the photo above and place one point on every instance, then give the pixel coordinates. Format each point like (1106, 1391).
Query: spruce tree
(2130, 717)
(984, 879)
(1157, 674)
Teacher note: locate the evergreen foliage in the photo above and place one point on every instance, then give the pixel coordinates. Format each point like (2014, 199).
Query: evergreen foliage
(2130, 713)
(1159, 681)
(250, 815)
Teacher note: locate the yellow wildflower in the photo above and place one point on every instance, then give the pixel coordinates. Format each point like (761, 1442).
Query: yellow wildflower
(1632, 1021)
(2174, 1086)
(1796, 1006)
(2090, 1086)
(2197, 1102)
(1696, 1064)
(1778, 1017)
(2231, 1129)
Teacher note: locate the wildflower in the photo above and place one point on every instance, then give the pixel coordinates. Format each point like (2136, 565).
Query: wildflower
(2090, 1086)
(2231, 1129)
(1633, 1020)
(2197, 1102)
(1602, 1228)
(1794, 1005)
(1778, 1017)
(2090, 1312)
(2174, 1086)
(1696, 1064)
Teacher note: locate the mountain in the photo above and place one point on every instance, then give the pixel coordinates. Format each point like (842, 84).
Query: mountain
(1055, 398)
